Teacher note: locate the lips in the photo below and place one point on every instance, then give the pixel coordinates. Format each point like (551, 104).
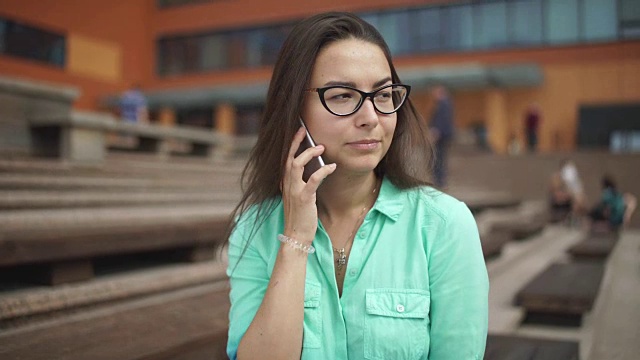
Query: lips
(364, 142)
(365, 145)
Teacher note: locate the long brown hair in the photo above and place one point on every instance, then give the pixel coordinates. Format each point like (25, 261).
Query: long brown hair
(407, 162)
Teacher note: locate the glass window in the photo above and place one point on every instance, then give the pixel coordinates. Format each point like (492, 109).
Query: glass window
(427, 36)
(630, 18)
(491, 27)
(171, 56)
(525, 22)
(403, 31)
(21, 40)
(457, 29)
(388, 27)
(173, 3)
(254, 41)
(237, 49)
(272, 42)
(561, 21)
(3, 31)
(599, 19)
(211, 51)
(371, 18)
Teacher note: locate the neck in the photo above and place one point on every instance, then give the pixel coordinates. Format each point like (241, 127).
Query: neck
(341, 195)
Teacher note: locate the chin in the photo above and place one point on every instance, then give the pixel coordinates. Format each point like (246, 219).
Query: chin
(362, 166)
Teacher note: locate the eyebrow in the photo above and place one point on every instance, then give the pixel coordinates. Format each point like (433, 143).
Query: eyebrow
(377, 84)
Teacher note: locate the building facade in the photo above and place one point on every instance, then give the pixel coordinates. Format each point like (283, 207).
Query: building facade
(208, 62)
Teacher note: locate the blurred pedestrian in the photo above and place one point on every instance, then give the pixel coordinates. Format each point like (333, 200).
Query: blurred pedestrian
(532, 125)
(441, 129)
(133, 106)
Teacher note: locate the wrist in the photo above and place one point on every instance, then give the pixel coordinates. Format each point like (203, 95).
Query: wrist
(299, 236)
(296, 244)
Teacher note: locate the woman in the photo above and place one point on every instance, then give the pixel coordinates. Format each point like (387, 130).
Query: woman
(371, 262)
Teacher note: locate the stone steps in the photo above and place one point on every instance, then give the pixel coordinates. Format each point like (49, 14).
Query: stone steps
(30, 181)
(46, 199)
(157, 326)
(60, 246)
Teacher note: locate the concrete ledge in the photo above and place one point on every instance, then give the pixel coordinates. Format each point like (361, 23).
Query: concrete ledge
(38, 89)
(616, 314)
(81, 137)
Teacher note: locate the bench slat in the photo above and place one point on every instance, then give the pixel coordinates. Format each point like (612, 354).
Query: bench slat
(41, 236)
(152, 326)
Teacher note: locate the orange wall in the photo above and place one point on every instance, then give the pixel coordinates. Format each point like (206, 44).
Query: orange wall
(120, 26)
(566, 87)
(126, 31)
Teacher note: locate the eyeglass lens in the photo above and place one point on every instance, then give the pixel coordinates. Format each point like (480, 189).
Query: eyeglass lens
(344, 101)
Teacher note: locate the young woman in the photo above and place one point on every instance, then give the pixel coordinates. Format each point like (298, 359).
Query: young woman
(372, 263)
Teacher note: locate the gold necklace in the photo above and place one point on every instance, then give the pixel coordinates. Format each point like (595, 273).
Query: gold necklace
(341, 259)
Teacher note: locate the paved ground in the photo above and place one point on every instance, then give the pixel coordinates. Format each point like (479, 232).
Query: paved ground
(610, 331)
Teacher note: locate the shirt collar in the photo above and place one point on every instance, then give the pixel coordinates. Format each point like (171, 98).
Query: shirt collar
(390, 201)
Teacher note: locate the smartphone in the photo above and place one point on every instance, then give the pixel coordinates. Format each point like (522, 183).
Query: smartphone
(315, 163)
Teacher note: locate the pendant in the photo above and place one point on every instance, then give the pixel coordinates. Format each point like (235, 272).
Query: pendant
(341, 260)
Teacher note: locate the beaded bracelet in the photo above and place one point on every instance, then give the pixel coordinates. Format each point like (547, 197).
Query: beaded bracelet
(296, 245)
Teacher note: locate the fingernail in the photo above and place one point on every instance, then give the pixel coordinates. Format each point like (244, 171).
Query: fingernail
(333, 166)
(319, 147)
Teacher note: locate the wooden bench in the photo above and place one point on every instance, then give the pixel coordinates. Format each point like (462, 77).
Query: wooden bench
(480, 200)
(45, 199)
(504, 347)
(32, 304)
(593, 247)
(527, 220)
(161, 325)
(492, 239)
(558, 215)
(74, 183)
(82, 137)
(60, 246)
(561, 294)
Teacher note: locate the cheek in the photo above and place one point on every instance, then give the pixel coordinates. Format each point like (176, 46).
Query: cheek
(390, 127)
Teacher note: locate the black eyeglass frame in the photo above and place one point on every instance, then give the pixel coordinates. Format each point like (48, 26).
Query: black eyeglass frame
(363, 96)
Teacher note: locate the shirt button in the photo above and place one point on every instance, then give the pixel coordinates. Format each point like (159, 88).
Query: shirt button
(352, 272)
(362, 235)
(400, 308)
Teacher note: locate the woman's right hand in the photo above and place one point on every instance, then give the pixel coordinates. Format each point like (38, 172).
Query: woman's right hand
(299, 198)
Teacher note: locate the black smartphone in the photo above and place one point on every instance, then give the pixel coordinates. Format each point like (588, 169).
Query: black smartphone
(315, 163)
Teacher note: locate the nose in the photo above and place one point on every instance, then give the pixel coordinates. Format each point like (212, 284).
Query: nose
(367, 114)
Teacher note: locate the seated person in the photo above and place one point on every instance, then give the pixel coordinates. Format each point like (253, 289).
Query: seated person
(560, 196)
(566, 192)
(614, 207)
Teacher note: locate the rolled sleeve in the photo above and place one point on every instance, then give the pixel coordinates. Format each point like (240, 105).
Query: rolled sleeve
(459, 289)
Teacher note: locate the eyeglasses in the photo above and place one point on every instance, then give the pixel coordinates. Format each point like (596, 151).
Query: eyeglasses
(344, 100)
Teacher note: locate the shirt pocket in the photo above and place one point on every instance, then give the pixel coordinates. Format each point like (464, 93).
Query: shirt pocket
(312, 329)
(396, 324)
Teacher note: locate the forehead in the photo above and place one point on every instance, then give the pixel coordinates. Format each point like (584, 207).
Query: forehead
(350, 60)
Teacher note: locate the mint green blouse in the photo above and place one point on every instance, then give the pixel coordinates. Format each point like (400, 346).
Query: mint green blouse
(416, 285)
